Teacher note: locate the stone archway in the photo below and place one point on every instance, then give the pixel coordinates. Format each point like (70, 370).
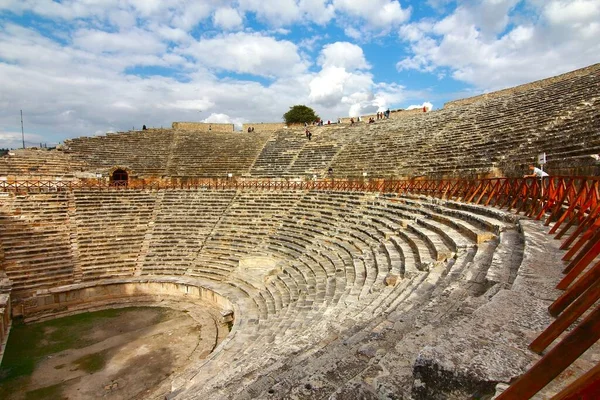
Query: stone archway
(119, 176)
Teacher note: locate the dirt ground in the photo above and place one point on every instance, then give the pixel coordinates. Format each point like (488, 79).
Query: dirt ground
(119, 355)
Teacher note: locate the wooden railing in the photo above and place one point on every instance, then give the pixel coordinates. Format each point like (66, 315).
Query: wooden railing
(565, 200)
(569, 203)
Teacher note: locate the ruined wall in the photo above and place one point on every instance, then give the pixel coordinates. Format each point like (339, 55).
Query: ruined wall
(398, 114)
(394, 114)
(264, 126)
(524, 88)
(71, 299)
(346, 120)
(202, 127)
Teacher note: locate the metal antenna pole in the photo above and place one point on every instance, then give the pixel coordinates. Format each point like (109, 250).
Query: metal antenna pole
(22, 131)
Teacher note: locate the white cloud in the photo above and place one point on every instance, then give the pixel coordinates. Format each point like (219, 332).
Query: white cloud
(327, 88)
(131, 42)
(217, 118)
(286, 12)
(14, 140)
(342, 85)
(317, 11)
(274, 12)
(475, 45)
(426, 104)
(249, 53)
(572, 12)
(227, 18)
(378, 14)
(343, 54)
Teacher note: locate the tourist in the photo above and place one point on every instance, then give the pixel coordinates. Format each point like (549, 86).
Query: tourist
(144, 128)
(536, 172)
(351, 121)
(371, 120)
(249, 129)
(387, 113)
(330, 171)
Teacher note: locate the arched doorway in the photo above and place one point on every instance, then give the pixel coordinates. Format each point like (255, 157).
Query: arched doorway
(119, 177)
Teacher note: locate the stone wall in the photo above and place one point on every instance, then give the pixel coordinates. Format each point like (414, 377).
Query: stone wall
(523, 88)
(398, 114)
(394, 114)
(71, 299)
(264, 126)
(203, 127)
(5, 307)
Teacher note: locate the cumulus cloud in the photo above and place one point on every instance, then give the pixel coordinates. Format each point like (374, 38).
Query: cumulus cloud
(572, 12)
(504, 50)
(227, 18)
(344, 55)
(248, 53)
(14, 140)
(343, 84)
(286, 12)
(217, 118)
(425, 104)
(133, 41)
(327, 88)
(377, 14)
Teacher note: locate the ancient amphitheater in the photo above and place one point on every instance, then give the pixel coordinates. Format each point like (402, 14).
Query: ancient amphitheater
(424, 267)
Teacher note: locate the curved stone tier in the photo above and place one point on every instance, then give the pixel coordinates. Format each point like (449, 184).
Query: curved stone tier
(342, 294)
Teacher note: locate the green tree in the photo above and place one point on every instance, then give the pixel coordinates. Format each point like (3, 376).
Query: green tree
(300, 114)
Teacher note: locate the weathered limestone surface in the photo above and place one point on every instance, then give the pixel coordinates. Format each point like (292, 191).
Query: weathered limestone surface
(491, 346)
(487, 348)
(203, 127)
(310, 275)
(333, 294)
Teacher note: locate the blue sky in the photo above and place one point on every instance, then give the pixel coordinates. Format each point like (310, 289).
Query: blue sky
(86, 67)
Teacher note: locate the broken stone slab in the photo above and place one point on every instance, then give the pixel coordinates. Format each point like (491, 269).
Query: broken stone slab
(391, 280)
(542, 265)
(483, 350)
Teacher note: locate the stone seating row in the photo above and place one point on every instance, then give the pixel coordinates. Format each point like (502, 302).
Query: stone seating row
(481, 122)
(110, 228)
(213, 154)
(335, 252)
(146, 153)
(39, 163)
(35, 237)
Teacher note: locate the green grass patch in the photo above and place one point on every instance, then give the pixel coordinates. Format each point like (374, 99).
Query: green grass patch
(92, 362)
(30, 343)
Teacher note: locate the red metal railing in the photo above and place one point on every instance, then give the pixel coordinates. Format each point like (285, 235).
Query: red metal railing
(570, 203)
(566, 200)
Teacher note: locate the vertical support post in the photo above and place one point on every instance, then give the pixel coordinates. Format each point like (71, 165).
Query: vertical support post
(22, 130)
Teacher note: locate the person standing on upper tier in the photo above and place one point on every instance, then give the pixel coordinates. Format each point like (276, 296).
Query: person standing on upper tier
(536, 172)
